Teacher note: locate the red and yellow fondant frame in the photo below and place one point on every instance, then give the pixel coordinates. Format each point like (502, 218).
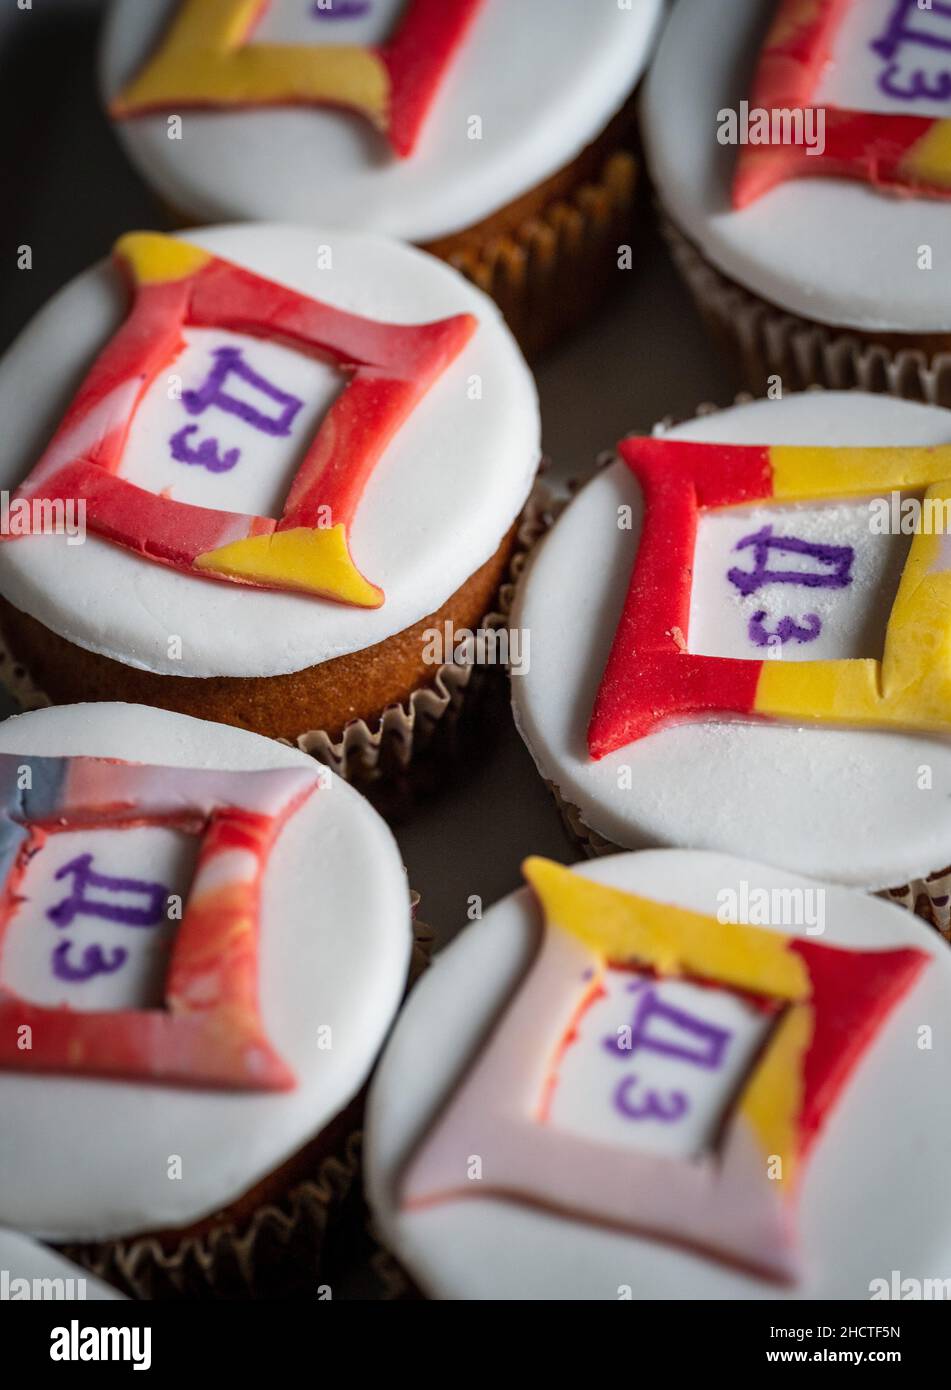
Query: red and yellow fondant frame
(206, 59)
(826, 1005)
(177, 285)
(898, 153)
(209, 1032)
(651, 680)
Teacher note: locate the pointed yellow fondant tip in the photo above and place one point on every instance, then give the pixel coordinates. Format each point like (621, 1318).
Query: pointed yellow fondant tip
(154, 258)
(313, 561)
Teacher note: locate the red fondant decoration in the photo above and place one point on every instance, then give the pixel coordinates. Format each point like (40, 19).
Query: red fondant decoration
(391, 366)
(880, 149)
(210, 1031)
(416, 59)
(412, 65)
(853, 992)
(649, 679)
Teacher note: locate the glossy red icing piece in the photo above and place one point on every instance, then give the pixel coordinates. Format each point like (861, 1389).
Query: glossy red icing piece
(209, 1031)
(390, 368)
(416, 59)
(890, 151)
(650, 679)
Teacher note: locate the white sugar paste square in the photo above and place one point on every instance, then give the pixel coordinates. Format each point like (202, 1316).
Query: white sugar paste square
(849, 620)
(613, 1086)
(152, 855)
(862, 78)
(331, 22)
(261, 458)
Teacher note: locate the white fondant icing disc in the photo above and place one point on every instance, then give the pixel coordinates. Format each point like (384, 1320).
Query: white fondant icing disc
(874, 1197)
(830, 249)
(441, 498)
(840, 804)
(47, 1275)
(89, 1159)
(543, 77)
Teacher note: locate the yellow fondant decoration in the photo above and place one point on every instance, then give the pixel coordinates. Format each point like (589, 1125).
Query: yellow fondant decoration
(929, 161)
(621, 927)
(801, 474)
(911, 686)
(838, 692)
(314, 561)
(154, 259)
(916, 666)
(206, 59)
(773, 1095)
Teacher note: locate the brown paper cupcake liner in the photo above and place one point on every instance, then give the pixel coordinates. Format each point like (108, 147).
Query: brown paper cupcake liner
(553, 270)
(18, 683)
(928, 897)
(767, 341)
(278, 1254)
(315, 1242)
(388, 762)
(404, 754)
(546, 261)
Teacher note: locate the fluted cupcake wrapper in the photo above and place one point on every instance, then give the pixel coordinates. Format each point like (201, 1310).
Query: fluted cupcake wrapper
(553, 270)
(767, 341)
(411, 746)
(281, 1252)
(387, 761)
(929, 898)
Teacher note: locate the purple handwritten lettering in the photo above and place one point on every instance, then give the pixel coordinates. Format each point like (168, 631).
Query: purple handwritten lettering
(653, 1106)
(78, 904)
(899, 32)
(230, 366)
(834, 563)
(340, 9)
(206, 453)
(702, 1044)
(686, 1038)
(212, 394)
(93, 963)
(786, 630)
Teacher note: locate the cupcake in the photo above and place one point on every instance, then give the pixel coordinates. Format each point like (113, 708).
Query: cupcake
(802, 169)
(204, 941)
(30, 1271)
(738, 643)
(664, 1078)
(286, 464)
(499, 136)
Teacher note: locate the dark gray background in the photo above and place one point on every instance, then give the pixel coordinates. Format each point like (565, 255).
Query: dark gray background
(67, 191)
